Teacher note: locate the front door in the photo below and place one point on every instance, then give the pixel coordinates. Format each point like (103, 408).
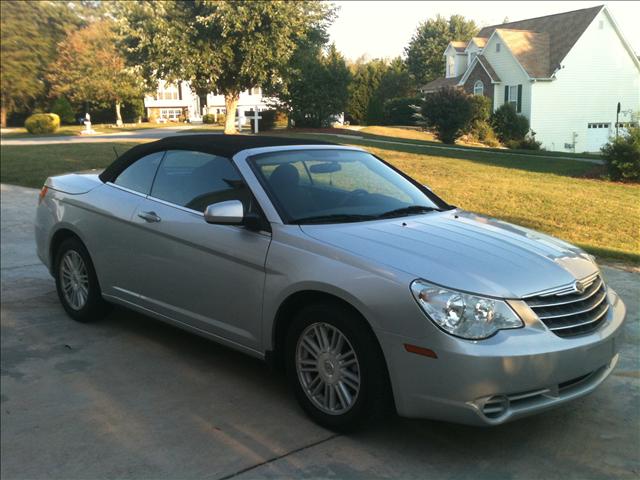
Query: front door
(210, 277)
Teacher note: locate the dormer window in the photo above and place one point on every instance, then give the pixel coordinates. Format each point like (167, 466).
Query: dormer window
(451, 66)
(497, 48)
(478, 88)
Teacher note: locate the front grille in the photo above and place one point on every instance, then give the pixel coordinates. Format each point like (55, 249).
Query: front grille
(568, 313)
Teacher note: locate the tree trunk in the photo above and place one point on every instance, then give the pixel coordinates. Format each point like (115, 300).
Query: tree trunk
(118, 114)
(3, 117)
(231, 105)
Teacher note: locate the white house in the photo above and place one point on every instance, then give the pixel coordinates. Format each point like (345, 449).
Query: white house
(173, 100)
(566, 73)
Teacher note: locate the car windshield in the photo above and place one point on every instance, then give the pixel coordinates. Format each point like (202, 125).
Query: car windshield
(337, 186)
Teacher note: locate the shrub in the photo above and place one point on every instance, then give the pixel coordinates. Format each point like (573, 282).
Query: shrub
(133, 110)
(282, 119)
(480, 108)
(208, 118)
(64, 110)
(622, 156)
(268, 121)
(449, 112)
(527, 143)
(222, 117)
(401, 111)
(508, 125)
(42, 123)
(482, 131)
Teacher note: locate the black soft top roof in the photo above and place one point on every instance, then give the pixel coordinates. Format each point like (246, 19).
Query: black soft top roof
(222, 145)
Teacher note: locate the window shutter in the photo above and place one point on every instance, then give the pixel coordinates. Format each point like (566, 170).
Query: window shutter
(519, 107)
(179, 91)
(506, 94)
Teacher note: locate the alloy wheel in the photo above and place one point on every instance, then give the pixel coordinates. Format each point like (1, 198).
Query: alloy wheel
(328, 368)
(74, 279)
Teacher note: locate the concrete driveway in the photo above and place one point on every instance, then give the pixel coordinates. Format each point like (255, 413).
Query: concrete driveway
(130, 397)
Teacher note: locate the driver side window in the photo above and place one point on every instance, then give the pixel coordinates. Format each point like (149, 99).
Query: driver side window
(195, 180)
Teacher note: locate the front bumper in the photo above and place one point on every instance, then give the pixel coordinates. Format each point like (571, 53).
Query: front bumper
(511, 375)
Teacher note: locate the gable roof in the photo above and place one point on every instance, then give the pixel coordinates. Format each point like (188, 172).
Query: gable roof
(479, 42)
(531, 49)
(561, 32)
(459, 46)
(441, 82)
(484, 63)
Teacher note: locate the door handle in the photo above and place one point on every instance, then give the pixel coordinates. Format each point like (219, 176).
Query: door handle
(150, 217)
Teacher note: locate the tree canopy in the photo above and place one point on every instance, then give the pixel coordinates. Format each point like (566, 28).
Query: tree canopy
(316, 86)
(222, 46)
(424, 52)
(30, 32)
(89, 68)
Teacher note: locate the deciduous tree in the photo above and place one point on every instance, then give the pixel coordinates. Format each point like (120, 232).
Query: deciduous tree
(424, 52)
(223, 46)
(89, 68)
(30, 32)
(316, 87)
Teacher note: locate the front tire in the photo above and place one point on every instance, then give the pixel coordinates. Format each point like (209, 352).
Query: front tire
(336, 367)
(76, 282)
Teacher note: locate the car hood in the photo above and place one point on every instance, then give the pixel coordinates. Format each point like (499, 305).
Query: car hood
(464, 251)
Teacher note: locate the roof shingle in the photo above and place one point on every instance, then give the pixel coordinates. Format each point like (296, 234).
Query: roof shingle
(561, 30)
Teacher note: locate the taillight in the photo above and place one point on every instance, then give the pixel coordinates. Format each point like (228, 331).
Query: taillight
(43, 192)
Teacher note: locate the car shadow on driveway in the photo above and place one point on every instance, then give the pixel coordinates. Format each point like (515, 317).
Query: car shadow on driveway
(130, 396)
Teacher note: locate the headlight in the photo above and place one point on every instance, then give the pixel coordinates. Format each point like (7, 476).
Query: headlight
(464, 315)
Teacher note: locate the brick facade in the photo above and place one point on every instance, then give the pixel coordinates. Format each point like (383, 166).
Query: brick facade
(479, 73)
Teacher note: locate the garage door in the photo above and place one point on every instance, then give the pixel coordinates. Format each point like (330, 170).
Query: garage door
(597, 135)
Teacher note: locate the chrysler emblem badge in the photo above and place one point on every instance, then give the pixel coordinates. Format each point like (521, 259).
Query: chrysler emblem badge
(579, 287)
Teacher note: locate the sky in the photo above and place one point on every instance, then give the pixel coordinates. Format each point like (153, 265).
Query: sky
(381, 29)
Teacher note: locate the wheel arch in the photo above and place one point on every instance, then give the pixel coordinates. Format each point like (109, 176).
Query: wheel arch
(290, 306)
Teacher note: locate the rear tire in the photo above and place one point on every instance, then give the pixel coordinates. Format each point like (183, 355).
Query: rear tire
(77, 283)
(336, 368)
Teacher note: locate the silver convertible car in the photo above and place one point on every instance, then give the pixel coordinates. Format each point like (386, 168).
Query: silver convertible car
(369, 290)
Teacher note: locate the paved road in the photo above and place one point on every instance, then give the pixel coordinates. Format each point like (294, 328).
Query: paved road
(130, 397)
(143, 134)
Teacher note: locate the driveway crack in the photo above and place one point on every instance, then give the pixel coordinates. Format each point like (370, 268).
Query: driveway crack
(274, 459)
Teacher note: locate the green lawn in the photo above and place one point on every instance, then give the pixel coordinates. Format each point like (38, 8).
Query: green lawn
(417, 137)
(543, 193)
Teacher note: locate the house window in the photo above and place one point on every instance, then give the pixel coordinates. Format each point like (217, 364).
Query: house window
(478, 88)
(497, 48)
(170, 113)
(451, 66)
(513, 95)
(168, 92)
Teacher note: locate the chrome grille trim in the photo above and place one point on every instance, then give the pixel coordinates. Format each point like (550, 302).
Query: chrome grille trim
(577, 312)
(598, 317)
(566, 289)
(570, 313)
(589, 292)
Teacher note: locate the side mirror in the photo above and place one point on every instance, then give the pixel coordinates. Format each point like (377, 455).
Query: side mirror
(230, 212)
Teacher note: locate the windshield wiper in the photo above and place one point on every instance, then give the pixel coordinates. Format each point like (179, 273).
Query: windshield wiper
(410, 210)
(333, 218)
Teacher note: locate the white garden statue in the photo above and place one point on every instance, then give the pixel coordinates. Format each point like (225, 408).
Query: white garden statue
(87, 126)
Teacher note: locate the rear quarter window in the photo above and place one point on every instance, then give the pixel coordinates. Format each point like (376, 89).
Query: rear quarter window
(139, 175)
